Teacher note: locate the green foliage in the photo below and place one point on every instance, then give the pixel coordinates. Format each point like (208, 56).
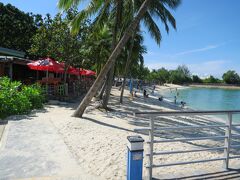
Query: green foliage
(16, 27)
(35, 95)
(180, 75)
(231, 77)
(196, 79)
(53, 39)
(160, 76)
(211, 79)
(17, 99)
(97, 48)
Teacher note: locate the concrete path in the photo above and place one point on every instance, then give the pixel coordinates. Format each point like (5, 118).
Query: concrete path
(33, 149)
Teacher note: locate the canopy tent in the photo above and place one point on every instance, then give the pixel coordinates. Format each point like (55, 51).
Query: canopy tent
(89, 72)
(51, 65)
(81, 72)
(46, 64)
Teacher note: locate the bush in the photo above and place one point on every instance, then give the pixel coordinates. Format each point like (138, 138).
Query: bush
(18, 99)
(35, 95)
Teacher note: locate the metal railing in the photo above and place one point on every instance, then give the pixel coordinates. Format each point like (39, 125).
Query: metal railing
(227, 137)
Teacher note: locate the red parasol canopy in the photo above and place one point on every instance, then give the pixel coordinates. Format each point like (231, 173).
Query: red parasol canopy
(81, 72)
(89, 72)
(46, 64)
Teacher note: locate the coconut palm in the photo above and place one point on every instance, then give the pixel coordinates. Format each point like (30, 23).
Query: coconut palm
(102, 11)
(157, 10)
(117, 50)
(134, 56)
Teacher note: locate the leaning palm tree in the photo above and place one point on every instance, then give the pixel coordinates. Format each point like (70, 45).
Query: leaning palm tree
(98, 82)
(117, 50)
(102, 11)
(158, 10)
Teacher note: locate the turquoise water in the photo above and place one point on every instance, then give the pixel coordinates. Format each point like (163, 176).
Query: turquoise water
(207, 98)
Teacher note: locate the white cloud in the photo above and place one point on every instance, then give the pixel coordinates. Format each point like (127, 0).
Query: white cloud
(160, 65)
(215, 67)
(207, 48)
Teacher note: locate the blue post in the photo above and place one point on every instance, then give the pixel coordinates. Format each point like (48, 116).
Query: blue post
(135, 158)
(130, 86)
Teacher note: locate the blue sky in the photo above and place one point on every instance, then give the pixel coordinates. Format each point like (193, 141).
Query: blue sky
(207, 37)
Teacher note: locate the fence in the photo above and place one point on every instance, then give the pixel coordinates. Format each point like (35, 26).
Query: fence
(227, 137)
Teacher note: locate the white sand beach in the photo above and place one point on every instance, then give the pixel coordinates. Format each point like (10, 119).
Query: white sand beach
(98, 140)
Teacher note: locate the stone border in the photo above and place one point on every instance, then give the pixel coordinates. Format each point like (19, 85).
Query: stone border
(3, 123)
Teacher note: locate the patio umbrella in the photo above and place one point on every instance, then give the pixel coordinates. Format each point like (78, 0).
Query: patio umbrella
(86, 72)
(71, 70)
(46, 64)
(81, 72)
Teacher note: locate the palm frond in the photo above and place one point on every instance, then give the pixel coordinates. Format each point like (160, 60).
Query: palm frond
(66, 4)
(164, 14)
(152, 28)
(173, 4)
(92, 9)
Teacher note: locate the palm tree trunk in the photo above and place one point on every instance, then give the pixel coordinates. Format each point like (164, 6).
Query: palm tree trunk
(114, 42)
(102, 90)
(98, 82)
(129, 58)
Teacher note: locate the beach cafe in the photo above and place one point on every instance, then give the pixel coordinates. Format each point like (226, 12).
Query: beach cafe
(58, 81)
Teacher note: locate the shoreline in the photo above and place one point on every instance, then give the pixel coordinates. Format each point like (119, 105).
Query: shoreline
(231, 87)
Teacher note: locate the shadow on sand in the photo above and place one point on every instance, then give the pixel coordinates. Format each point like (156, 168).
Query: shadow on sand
(220, 175)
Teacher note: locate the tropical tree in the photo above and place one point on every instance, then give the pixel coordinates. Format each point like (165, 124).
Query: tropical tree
(97, 47)
(231, 77)
(53, 39)
(196, 79)
(156, 9)
(117, 50)
(16, 27)
(134, 52)
(180, 75)
(97, 84)
(211, 79)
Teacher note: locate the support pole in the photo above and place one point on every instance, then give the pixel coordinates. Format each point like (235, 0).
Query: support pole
(135, 158)
(11, 71)
(227, 142)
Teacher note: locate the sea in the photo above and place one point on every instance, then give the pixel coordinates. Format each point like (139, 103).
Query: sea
(206, 98)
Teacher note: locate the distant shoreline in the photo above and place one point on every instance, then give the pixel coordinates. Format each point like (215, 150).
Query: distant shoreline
(220, 86)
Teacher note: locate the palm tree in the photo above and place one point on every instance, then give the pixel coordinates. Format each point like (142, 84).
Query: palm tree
(135, 52)
(102, 10)
(158, 10)
(98, 47)
(117, 50)
(98, 82)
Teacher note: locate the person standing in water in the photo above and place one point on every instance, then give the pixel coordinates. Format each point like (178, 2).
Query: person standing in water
(175, 99)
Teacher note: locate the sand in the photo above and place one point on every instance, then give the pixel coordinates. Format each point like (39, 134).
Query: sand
(98, 140)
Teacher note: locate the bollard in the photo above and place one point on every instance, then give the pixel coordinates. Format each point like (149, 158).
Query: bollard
(135, 158)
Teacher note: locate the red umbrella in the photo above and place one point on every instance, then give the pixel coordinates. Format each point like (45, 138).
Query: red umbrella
(46, 64)
(71, 70)
(81, 72)
(85, 72)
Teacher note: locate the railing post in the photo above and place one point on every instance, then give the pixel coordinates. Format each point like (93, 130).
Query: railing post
(151, 139)
(135, 158)
(227, 142)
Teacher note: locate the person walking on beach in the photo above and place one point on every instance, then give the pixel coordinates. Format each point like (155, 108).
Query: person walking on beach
(153, 89)
(175, 99)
